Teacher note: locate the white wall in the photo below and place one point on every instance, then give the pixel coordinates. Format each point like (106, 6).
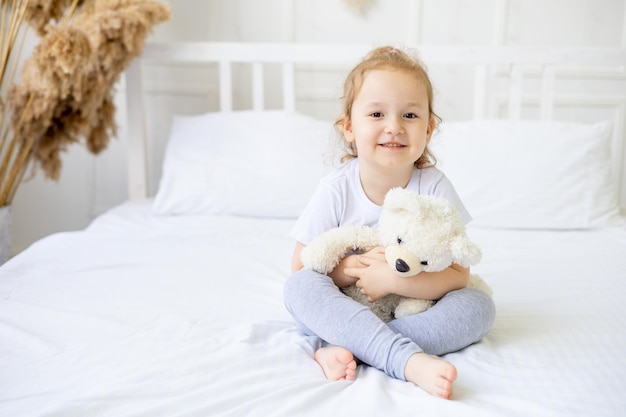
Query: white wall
(89, 185)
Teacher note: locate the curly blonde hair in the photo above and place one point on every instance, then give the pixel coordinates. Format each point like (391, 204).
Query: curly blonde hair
(385, 57)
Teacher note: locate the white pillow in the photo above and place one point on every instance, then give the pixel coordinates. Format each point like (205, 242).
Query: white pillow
(530, 174)
(249, 163)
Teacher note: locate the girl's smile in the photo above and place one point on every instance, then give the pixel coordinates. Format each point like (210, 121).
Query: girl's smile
(391, 145)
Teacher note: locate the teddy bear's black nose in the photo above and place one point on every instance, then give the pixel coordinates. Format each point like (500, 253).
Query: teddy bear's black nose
(402, 266)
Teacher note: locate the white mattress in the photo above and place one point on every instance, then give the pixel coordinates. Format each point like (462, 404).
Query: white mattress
(182, 316)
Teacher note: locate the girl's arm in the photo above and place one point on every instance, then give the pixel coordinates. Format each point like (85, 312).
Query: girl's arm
(377, 279)
(432, 285)
(296, 263)
(338, 274)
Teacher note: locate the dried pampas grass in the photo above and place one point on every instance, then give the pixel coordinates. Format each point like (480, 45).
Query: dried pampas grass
(41, 12)
(65, 93)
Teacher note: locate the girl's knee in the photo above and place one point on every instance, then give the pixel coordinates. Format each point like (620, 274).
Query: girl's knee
(298, 280)
(291, 288)
(474, 307)
(482, 308)
(300, 285)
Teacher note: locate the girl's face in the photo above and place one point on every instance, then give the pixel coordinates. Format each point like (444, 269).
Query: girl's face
(390, 122)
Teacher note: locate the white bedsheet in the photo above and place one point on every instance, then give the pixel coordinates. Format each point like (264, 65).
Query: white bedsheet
(142, 315)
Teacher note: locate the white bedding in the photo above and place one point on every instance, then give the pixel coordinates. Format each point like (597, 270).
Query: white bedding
(145, 315)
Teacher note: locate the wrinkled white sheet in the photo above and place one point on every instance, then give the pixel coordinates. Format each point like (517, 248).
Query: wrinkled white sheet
(141, 315)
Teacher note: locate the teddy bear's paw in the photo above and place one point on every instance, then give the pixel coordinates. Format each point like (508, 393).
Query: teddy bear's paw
(324, 252)
(477, 282)
(409, 306)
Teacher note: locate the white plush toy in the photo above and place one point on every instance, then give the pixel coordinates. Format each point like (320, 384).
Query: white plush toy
(419, 233)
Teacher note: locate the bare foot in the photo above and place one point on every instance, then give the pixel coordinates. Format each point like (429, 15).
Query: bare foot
(338, 363)
(431, 373)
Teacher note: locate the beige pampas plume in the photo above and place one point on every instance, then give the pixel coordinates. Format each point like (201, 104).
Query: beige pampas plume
(41, 12)
(51, 102)
(103, 126)
(65, 92)
(117, 30)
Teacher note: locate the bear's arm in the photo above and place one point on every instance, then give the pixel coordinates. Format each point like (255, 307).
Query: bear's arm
(325, 252)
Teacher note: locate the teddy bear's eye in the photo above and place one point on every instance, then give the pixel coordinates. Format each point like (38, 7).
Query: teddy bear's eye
(424, 262)
(399, 240)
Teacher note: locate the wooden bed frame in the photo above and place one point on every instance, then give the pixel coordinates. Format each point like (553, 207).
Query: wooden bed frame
(519, 65)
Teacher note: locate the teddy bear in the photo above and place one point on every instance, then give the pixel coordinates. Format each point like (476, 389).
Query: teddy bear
(419, 233)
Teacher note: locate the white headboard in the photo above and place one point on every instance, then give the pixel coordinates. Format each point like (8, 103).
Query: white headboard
(586, 84)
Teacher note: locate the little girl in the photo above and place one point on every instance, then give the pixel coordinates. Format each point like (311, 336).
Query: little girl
(386, 125)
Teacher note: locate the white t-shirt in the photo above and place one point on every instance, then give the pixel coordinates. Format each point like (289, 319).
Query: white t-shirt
(339, 200)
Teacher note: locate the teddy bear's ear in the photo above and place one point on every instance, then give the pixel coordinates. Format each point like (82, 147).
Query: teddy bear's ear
(464, 251)
(399, 199)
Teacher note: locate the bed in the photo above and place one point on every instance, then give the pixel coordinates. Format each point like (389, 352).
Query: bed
(170, 304)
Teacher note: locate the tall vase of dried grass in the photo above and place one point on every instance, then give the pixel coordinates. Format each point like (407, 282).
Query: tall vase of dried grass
(5, 233)
(12, 22)
(64, 94)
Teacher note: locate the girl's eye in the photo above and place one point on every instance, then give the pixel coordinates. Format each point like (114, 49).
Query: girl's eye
(376, 114)
(411, 116)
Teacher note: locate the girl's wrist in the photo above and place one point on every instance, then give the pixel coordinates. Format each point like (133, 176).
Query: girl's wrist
(351, 261)
(339, 276)
(398, 284)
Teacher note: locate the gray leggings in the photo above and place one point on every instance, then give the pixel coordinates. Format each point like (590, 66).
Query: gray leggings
(457, 320)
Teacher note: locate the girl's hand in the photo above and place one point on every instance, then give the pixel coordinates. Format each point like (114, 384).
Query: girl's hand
(375, 278)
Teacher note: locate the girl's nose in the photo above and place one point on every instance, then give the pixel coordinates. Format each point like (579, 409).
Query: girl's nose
(394, 127)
